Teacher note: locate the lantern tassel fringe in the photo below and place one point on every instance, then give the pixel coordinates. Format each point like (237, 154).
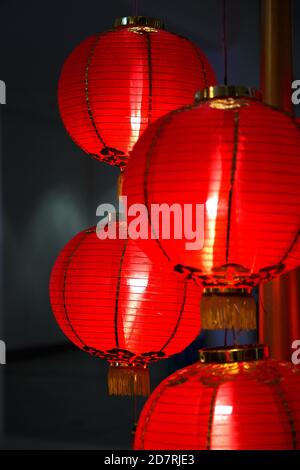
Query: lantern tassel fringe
(220, 312)
(128, 380)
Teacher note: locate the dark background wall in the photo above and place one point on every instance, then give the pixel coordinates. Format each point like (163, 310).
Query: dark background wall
(51, 191)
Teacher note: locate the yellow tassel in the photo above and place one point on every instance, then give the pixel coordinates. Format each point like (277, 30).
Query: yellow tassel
(219, 311)
(128, 380)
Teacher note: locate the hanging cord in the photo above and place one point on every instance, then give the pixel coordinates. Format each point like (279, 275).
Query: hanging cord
(135, 413)
(261, 306)
(225, 44)
(134, 416)
(234, 336)
(225, 337)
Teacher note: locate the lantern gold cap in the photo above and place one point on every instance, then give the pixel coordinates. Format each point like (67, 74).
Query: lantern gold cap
(139, 22)
(227, 91)
(224, 355)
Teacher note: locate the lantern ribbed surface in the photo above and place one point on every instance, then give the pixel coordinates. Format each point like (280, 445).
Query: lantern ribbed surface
(114, 84)
(235, 406)
(113, 302)
(240, 159)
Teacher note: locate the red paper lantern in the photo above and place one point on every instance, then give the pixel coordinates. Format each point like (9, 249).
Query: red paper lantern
(240, 404)
(240, 159)
(116, 83)
(114, 303)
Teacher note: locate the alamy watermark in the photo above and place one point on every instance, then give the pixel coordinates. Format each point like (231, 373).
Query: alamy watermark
(2, 353)
(296, 93)
(159, 221)
(2, 92)
(296, 354)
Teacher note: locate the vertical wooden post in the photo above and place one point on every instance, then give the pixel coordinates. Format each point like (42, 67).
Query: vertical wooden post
(279, 310)
(277, 53)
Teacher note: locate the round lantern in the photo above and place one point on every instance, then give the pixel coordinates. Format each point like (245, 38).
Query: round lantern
(116, 304)
(234, 399)
(114, 84)
(239, 159)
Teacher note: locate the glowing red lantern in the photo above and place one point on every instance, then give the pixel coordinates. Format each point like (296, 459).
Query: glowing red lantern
(116, 83)
(240, 159)
(114, 303)
(235, 400)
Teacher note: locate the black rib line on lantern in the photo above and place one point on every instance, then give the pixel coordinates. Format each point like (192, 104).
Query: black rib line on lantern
(289, 415)
(200, 58)
(87, 98)
(150, 76)
(163, 124)
(64, 289)
(211, 416)
(150, 412)
(290, 249)
(282, 111)
(179, 317)
(116, 320)
(232, 180)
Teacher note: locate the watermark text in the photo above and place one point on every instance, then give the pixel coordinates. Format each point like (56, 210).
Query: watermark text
(159, 221)
(2, 92)
(2, 353)
(296, 93)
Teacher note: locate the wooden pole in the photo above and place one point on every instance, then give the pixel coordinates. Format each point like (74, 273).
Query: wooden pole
(279, 309)
(277, 53)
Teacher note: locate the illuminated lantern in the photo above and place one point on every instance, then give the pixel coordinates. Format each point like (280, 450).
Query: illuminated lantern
(234, 399)
(239, 158)
(114, 303)
(114, 84)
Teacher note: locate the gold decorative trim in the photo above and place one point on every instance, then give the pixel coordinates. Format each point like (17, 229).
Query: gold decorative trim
(227, 91)
(117, 364)
(227, 291)
(128, 380)
(224, 355)
(139, 21)
(228, 310)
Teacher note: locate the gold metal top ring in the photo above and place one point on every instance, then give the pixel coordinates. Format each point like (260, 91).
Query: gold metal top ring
(139, 21)
(227, 291)
(224, 355)
(227, 91)
(128, 365)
